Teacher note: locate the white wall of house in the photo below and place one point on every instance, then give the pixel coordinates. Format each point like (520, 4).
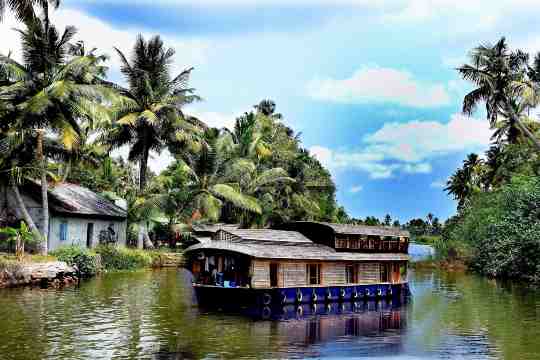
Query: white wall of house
(77, 231)
(77, 227)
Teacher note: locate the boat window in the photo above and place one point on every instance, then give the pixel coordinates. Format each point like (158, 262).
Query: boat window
(385, 272)
(274, 271)
(351, 274)
(314, 274)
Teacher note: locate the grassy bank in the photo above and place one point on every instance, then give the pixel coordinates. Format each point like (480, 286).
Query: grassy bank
(111, 258)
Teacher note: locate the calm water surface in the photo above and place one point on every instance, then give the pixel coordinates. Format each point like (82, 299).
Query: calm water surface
(151, 315)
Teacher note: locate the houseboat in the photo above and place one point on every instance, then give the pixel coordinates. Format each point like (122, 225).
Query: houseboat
(301, 262)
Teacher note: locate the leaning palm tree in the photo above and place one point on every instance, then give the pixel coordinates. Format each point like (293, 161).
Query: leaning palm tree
(47, 93)
(500, 76)
(148, 116)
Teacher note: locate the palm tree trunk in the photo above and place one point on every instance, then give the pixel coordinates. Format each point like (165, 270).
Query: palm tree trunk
(147, 242)
(26, 215)
(140, 238)
(522, 127)
(142, 170)
(44, 194)
(143, 239)
(66, 170)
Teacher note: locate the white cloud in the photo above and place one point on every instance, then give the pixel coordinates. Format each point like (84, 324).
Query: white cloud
(356, 189)
(214, 119)
(438, 184)
(377, 84)
(97, 33)
(408, 147)
(416, 141)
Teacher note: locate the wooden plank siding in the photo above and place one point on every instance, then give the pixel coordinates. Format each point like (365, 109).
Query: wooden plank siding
(369, 273)
(294, 273)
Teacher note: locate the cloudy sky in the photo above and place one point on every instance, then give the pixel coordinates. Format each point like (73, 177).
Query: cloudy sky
(370, 84)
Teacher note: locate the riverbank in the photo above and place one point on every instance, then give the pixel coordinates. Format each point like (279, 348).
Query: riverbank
(68, 264)
(41, 271)
(446, 265)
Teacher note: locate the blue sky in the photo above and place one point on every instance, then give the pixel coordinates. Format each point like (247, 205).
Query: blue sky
(370, 84)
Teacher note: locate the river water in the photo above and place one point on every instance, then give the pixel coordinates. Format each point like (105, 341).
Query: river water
(152, 315)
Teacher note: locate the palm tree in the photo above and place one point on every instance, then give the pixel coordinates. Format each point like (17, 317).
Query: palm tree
(267, 107)
(48, 92)
(265, 185)
(207, 186)
(246, 139)
(500, 78)
(148, 116)
(467, 180)
(24, 9)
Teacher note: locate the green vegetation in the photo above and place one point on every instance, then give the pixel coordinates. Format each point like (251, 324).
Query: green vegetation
(60, 119)
(107, 258)
(85, 260)
(119, 258)
(19, 237)
(496, 229)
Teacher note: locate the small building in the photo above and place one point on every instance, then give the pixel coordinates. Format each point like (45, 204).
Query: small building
(307, 262)
(77, 215)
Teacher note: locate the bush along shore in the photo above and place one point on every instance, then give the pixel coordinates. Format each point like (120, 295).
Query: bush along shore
(69, 264)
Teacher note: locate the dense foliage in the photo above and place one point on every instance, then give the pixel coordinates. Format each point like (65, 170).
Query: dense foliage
(502, 228)
(496, 228)
(120, 258)
(61, 120)
(85, 260)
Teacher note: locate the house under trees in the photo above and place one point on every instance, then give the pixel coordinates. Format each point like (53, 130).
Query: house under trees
(78, 216)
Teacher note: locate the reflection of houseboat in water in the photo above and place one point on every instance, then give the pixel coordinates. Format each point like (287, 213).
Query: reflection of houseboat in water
(302, 262)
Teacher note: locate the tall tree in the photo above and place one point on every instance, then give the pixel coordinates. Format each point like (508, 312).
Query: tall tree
(500, 76)
(207, 185)
(149, 115)
(46, 94)
(24, 9)
(467, 180)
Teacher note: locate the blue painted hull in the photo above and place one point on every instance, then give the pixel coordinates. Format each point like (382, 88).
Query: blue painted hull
(221, 296)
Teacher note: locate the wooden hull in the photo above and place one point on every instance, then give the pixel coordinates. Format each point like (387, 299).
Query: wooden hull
(239, 296)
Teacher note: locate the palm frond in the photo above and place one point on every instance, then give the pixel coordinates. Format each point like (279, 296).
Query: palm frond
(238, 199)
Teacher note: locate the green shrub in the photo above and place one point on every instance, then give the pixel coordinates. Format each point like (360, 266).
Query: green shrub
(121, 258)
(85, 260)
(502, 229)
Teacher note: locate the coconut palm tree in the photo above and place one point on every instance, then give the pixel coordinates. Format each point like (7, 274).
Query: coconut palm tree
(267, 107)
(246, 140)
(467, 180)
(47, 93)
(24, 9)
(206, 184)
(149, 115)
(500, 76)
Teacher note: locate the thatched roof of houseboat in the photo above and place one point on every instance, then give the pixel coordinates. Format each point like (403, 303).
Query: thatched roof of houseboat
(268, 235)
(305, 251)
(213, 228)
(349, 229)
(281, 244)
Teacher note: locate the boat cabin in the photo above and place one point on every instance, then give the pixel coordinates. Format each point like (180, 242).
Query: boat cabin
(305, 256)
